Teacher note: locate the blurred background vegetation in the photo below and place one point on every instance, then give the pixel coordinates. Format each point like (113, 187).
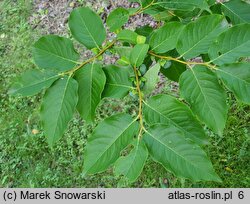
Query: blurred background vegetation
(27, 161)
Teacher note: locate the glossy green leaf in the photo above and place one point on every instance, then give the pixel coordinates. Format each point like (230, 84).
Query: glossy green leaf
(138, 54)
(91, 79)
(131, 165)
(237, 10)
(106, 142)
(237, 78)
(174, 70)
(118, 84)
(231, 45)
(55, 53)
(197, 36)
(117, 18)
(32, 82)
(183, 4)
(152, 77)
(128, 36)
(165, 38)
(183, 158)
(87, 27)
(144, 31)
(165, 109)
(58, 107)
(200, 87)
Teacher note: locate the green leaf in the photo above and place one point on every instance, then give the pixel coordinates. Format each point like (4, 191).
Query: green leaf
(231, 45)
(138, 54)
(32, 82)
(128, 36)
(152, 78)
(91, 79)
(117, 18)
(55, 53)
(106, 142)
(183, 158)
(197, 36)
(237, 11)
(144, 30)
(237, 78)
(118, 84)
(87, 27)
(200, 87)
(174, 70)
(183, 4)
(165, 38)
(131, 165)
(164, 109)
(58, 107)
(123, 51)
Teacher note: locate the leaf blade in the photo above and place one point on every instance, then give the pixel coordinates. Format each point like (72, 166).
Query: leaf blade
(32, 82)
(138, 54)
(131, 165)
(236, 77)
(58, 108)
(87, 27)
(197, 36)
(183, 158)
(117, 84)
(103, 147)
(200, 87)
(91, 80)
(55, 53)
(165, 109)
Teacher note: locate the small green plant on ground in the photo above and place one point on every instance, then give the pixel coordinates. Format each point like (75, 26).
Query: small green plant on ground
(201, 44)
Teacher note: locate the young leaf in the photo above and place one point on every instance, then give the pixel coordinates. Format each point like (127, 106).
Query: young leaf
(174, 70)
(106, 142)
(237, 78)
(128, 36)
(197, 36)
(231, 45)
(182, 157)
(32, 82)
(91, 79)
(200, 87)
(237, 11)
(87, 27)
(58, 107)
(131, 165)
(118, 84)
(165, 38)
(138, 54)
(165, 109)
(152, 78)
(55, 53)
(183, 4)
(117, 18)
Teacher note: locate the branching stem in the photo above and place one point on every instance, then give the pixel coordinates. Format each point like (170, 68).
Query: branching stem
(72, 71)
(140, 117)
(143, 9)
(207, 64)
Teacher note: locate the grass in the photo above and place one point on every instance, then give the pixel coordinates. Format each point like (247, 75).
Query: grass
(27, 161)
